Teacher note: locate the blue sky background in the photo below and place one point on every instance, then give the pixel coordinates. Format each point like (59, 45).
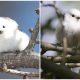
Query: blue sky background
(21, 11)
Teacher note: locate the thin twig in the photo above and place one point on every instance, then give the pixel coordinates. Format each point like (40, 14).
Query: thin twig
(48, 46)
(34, 36)
(69, 59)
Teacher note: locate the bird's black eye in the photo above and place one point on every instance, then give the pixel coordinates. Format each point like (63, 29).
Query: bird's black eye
(73, 15)
(3, 26)
(78, 17)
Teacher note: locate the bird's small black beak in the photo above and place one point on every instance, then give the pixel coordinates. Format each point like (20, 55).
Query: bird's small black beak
(1, 32)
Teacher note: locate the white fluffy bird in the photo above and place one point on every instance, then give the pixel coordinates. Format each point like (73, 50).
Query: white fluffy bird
(71, 24)
(11, 38)
(72, 27)
(72, 21)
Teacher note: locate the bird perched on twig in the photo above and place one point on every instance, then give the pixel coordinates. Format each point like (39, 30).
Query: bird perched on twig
(11, 38)
(71, 25)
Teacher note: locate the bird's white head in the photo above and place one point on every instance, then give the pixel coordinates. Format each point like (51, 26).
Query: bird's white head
(75, 13)
(72, 21)
(7, 26)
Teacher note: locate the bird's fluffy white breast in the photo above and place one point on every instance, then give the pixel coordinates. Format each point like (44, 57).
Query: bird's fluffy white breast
(8, 44)
(12, 38)
(23, 40)
(17, 42)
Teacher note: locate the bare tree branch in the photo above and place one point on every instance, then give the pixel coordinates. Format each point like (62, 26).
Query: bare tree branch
(69, 59)
(73, 65)
(48, 46)
(27, 61)
(34, 36)
(20, 73)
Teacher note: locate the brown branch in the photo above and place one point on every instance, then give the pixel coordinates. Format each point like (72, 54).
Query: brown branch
(69, 59)
(34, 36)
(27, 61)
(47, 46)
(73, 65)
